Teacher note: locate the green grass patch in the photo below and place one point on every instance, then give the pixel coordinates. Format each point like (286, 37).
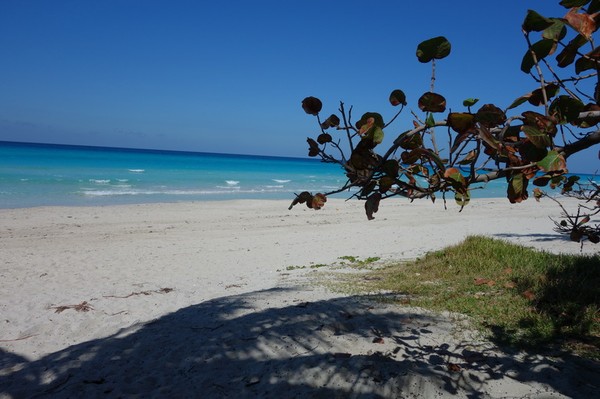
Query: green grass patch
(520, 296)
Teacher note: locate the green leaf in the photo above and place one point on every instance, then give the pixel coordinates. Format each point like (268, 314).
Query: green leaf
(435, 48)
(541, 49)
(553, 162)
(537, 138)
(377, 135)
(430, 122)
(517, 188)
(397, 97)
(462, 199)
(469, 102)
(566, 109)
(557, 31)
(519, 101)
(432, 102)
(535, 22)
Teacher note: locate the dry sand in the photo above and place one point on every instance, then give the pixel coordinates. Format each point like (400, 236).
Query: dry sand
(194, 300)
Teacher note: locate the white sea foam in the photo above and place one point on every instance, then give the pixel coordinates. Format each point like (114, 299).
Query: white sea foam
(232, 182)
(123, 180)
(281, 181)
(274, 186)
(99, 181)
(136, 170)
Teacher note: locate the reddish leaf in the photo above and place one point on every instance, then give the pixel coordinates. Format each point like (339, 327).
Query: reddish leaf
(378, 340)
(397, 97)
(318, 201)
(510, 285)
(583, 23)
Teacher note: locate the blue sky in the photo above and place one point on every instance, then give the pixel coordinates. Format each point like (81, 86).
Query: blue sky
(229, 76)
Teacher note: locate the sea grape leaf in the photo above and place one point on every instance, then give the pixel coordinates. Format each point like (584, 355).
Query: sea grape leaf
(535, 22)
(332, 121)
(410, 142)
(537, 96)
(565, 109)
(589, 61)
(469, 102)
(541, 49)
(532, 153)
(517, 188)
(372, 205)
(568, 54)
(432, 102)
(318, 201)
(385, 183)
(488, 138)
(459, 139)
(391, 168)
(542, 122)
(461, 122)
(397, 97)
(573, 3)
(324, 138)
(542, 181)
(536, 137)
(312, 105)
(456, 179)
(583, 23)
(372, 117)
(430, 121)
(519, 101)
(568, 186)
(462, 199)
(553, 162)
(490, 116)
(302, 198)
(469, 158)
(435, 48)
(313, 147)
(557, 31)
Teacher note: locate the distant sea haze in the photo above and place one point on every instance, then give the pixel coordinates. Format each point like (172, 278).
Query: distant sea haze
(46, 174)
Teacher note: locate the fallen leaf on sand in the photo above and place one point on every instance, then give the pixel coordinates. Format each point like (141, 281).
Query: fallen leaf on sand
(81, 307)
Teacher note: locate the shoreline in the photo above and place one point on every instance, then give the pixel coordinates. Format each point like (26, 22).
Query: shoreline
(139, 266)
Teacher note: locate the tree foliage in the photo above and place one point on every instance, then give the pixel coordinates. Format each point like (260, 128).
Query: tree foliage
(446, 153)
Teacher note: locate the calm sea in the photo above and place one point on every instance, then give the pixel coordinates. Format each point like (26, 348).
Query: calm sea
(42, 174)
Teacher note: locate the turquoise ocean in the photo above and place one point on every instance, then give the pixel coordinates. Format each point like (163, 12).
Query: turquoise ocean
(47, 174)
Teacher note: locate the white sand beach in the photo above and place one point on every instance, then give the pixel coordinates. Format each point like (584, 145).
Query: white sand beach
(194, 300)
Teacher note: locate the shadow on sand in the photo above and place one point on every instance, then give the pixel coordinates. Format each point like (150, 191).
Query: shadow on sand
(250, 346)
